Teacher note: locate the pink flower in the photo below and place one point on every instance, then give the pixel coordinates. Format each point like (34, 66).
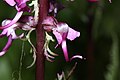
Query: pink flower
(62, 32)
(20, 6)
(25, 23)
(10, 33)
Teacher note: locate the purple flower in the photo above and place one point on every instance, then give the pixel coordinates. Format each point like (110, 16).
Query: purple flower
(62, 32)
(49, 23)
(20, 6)
(10, 33)
(24, 23)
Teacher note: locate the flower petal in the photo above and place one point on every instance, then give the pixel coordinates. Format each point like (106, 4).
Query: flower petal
(58, 36)
(29, 20)
(21, 5)
(11, 2)
(77, 56)
(21, 1)
(62, 28)
(48, 57)
(7, 46)
(2, 53)
(110, 1)
(72, 34)
(16, 18)
(61, 76)
(52, 53)
(50, 21)
(8, 43)
(1, 35)
(64, 48)
(14, 36)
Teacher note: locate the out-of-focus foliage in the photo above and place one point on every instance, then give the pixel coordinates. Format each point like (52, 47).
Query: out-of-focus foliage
(105, 37)
(113, 68)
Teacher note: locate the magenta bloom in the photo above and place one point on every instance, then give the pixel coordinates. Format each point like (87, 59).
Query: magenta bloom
(24, 23)
(62, 32)
(10, 33)
(20, 6)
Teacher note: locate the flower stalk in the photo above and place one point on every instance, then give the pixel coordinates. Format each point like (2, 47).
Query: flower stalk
(40, 59)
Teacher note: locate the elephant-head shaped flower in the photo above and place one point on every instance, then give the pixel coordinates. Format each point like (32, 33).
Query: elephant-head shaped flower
(62, 32)
(25, 23)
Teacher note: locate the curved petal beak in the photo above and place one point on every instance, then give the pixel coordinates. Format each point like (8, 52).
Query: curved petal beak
(16, 18)
(64, 48)
(7, 46)
(77, 56)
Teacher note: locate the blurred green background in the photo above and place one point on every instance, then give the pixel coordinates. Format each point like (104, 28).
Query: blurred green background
(99, 43)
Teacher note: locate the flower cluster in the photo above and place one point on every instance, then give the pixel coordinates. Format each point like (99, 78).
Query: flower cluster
(62, 32)
(9, 26)
(26, 22)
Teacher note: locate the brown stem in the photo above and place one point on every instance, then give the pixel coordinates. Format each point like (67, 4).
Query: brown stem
(40, 61)
(90, 47)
